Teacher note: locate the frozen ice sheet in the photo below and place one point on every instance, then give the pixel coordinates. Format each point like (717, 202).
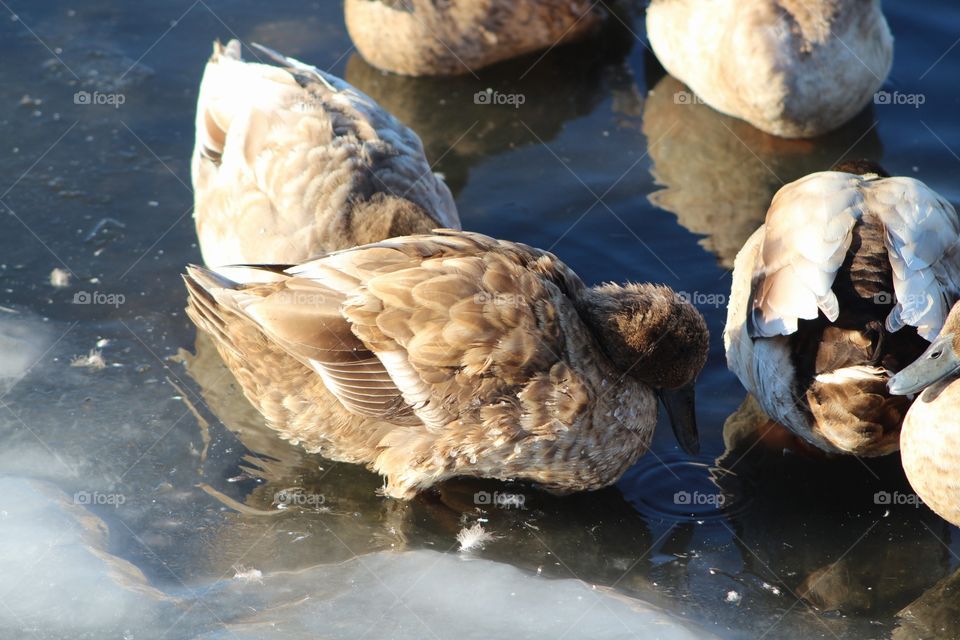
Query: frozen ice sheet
(63, 582)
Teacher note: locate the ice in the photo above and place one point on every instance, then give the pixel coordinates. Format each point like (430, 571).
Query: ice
(58, 580)
(23, 340)
(61, 581)
(425, 594)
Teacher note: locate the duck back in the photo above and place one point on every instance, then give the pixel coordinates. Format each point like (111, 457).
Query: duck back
(842, 366)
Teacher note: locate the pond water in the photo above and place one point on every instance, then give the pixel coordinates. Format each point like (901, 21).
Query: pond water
(143, 499)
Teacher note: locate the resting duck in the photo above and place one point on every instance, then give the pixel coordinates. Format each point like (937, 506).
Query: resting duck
(454, 354)
(793, 68)
(290, 162)
(453, 37)
(850, 276)
(930, 439)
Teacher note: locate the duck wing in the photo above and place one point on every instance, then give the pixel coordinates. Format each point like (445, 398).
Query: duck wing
(297, 315)
(415, 327)
(804, 243)
(923, 243)
(807, 236)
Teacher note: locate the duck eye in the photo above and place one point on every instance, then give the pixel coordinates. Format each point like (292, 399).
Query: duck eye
(936, 354)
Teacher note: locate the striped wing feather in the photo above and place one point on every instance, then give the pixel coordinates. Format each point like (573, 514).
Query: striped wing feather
(419, 326)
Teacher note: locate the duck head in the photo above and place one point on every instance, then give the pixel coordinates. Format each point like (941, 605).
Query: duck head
(939, 361)
(861, 167)
(654, 336)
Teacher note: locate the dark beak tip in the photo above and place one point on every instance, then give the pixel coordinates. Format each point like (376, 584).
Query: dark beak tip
(680, 405)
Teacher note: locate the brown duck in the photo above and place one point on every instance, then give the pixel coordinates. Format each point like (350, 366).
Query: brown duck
(454, 354)
(454, 37)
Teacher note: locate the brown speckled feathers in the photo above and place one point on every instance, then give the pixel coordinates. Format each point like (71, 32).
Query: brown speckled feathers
(451, 354)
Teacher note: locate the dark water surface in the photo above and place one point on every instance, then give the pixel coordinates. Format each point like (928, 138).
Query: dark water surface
(602, 164)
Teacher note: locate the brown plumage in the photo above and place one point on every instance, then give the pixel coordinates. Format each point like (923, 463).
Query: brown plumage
(857, 414)
(290, 162)
(429, 357)
(453, 37)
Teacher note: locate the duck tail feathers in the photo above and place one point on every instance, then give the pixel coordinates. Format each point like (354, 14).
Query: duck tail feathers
(332, 82)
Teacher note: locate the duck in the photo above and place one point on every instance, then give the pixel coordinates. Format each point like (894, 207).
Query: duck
(791, 68)
(427, 357)
(846, 282)
(930, 438)
(291, 162)
(456, 37)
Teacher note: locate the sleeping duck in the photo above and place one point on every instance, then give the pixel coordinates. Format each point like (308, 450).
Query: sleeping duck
(849, 278)
(930, 439)
(793, 68)
(454, 37)
(291, 162)
(454, 354)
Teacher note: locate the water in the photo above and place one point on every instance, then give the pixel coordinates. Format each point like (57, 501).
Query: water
(135, 495)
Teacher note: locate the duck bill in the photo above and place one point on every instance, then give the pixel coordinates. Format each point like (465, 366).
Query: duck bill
(926, 370)
(680, 407)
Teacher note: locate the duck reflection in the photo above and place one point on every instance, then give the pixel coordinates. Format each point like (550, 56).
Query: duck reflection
(568, 83)
(720, 173)
(290, 508)
(935, 614)
(808, 527)
(845, 535)
(287, 507)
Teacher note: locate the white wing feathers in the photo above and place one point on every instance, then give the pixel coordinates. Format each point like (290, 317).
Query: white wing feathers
(922, 239)
(809, 230)
(807, 236)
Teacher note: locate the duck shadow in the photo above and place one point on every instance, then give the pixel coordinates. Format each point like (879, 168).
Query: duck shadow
(846, 535)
